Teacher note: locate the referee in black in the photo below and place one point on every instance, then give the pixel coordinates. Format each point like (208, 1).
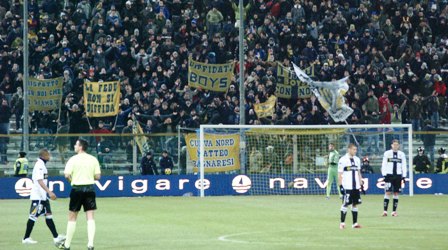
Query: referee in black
(394, 172)
(81, 171)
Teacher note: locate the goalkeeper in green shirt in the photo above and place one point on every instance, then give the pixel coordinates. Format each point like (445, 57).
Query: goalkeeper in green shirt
(333, 159)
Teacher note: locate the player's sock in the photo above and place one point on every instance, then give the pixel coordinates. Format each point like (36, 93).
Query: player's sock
(51, 226)
(343, 213)
(386, 202)
(395, 203)
(71, 227)
(90, 232)
(29, 228)
(355, 215)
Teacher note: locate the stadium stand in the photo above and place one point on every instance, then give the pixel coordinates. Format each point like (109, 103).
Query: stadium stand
(392, 50)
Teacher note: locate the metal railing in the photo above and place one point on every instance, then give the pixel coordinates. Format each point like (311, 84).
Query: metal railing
(117, 153)
(124, 155)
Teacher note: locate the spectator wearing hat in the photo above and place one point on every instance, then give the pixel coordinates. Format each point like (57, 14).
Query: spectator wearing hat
(326, 72)
(365, 167)
(166, 163)
(421, 162)
(148, 165)
(21, 165)
(442, 163)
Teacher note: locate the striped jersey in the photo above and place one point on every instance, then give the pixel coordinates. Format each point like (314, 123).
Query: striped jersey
(350, 167)
(394, 163)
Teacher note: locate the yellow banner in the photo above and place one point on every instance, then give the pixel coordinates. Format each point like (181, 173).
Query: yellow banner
(101, 98)
(140, 138)
(214, 77)
(44, 94)
(288, 84)
(266, 108)
(221, 152)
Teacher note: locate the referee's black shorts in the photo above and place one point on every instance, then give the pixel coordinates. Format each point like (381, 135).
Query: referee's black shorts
(83, 195)
(352, 197)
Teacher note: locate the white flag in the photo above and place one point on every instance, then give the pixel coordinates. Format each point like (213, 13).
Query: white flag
(329, 94)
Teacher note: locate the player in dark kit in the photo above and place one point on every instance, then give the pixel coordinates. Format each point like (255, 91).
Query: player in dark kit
(421, 161)
(394, 172)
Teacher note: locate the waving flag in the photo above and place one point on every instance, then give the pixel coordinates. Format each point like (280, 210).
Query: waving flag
(267, 108)
(329, 94)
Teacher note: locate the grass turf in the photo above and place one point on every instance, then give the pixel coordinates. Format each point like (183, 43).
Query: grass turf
(257, 222)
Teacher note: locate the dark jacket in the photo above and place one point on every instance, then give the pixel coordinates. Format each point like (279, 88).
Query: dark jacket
(429, 139)
(166, 162)
(422, 163)
(103, 145)
(415, 110)
(148, 166)
(5, 114)
(366, 168)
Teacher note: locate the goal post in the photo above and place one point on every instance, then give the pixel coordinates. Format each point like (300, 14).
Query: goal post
(276, 157)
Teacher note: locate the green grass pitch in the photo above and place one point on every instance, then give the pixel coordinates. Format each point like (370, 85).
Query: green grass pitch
(251, 222)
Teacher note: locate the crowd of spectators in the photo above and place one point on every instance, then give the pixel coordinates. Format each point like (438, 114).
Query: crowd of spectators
(394, 51)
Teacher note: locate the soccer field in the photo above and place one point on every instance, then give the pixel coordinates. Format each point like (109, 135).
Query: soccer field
(252, 222)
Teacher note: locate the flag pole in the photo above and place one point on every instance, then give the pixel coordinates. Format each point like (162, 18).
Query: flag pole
(26, 109)
(241, 89)
(241, 59)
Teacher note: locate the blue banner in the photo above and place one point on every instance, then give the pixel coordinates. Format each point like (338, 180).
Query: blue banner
(189, 185)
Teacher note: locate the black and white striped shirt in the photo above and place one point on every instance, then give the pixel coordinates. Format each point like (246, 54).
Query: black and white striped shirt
(394, 163)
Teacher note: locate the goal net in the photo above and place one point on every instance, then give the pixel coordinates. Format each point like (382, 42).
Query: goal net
(273, 160)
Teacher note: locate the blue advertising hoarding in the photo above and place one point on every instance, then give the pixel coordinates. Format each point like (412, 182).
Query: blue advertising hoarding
(220, 184)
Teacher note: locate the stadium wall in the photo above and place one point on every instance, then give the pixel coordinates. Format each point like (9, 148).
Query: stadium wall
(189, 185)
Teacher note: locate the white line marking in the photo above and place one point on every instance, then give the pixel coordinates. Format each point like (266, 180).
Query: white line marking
(227, 238)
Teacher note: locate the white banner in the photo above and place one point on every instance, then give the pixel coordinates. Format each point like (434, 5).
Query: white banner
(329, 94)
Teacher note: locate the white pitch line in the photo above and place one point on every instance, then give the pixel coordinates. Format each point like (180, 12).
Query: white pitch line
(227, 238)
